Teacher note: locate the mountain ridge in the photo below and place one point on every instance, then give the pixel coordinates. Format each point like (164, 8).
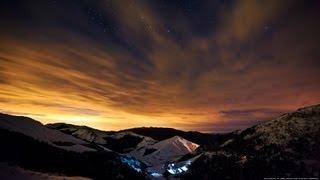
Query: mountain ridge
(286, 146)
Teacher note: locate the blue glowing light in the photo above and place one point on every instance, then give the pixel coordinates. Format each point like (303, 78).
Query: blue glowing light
(131, 162)
(179, 168)
(156, 174)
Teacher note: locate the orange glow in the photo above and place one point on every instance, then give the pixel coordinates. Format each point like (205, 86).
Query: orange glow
(227, 79)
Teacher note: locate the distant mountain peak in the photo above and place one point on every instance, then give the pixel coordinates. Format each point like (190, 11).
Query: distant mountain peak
(180, 143)
(164, 151)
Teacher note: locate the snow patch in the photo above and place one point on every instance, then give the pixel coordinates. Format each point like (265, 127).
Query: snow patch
(168, 150)
(36, 130)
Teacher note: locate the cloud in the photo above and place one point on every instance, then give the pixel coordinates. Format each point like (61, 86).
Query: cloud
(258, 114)
(115, 65)
(246, 19)
(21, 114)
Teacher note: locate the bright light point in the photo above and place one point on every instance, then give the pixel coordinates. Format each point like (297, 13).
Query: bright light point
(156, 174)
(184, 168)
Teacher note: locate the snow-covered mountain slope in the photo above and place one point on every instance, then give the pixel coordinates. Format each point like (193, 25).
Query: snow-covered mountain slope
(26, 152)
(165, 151)
(116, 141)
(287, 146)
(156, 154)
(36, 130)
(290, 126)
(81, 132)
(303, 124)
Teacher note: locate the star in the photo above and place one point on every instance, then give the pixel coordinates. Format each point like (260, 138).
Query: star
(266, 28)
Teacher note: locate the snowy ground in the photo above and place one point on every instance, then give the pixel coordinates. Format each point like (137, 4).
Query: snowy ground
(36, 130)
(16, 173)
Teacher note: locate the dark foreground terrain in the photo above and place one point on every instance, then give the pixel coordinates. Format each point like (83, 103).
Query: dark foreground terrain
(288, 146)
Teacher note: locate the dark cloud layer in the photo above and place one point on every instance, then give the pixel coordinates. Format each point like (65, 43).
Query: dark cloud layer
(196, 65)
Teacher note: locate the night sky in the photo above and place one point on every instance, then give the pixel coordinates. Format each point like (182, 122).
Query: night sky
(205, 65)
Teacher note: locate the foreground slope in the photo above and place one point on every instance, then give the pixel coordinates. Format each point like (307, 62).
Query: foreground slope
(287, 146)
(36, 130)
(8, 172)
(30, 145)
